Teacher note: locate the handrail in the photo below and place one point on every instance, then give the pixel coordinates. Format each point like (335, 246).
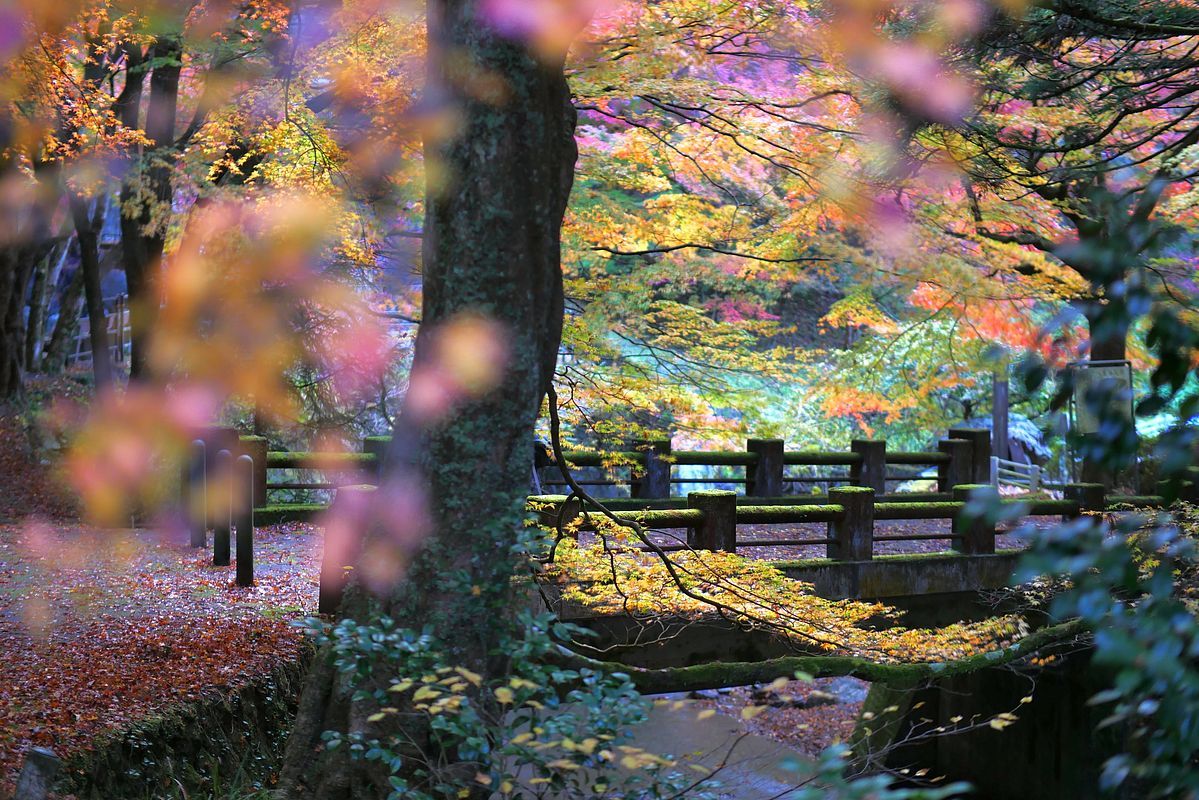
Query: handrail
(303, 459)
(919, 458)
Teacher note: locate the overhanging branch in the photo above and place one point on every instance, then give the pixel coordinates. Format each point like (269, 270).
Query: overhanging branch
(718, 675)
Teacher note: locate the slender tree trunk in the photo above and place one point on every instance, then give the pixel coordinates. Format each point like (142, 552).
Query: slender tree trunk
(37, 309)
(89, 266)
(45, 278)
(13, 284)
(54, 357)
(491, 248)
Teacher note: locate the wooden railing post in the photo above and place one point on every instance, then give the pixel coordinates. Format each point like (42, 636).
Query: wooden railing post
(977, 536)
(377, 445)
(852, 533)
(195, 494)
(244, 482)
(718, 529)
(654, 482)
(765, 478)
(1089, 496)
(980, 452)
(960, 466)
(344, 529)
(222, 487)
(256, 448)
(871, 471)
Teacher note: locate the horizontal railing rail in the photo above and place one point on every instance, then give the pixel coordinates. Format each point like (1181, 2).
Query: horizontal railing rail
(712, 518)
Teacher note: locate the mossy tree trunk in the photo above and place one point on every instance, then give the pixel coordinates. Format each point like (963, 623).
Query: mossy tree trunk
(491, 247)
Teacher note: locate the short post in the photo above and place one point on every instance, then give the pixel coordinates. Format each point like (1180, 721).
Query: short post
(343, 540)
(567, 512)
(37, 774)
(960, 466)
(654, 482)
(871, 471)
(223, 507)
(976, 535)
(216, 439)
(195, 494)
(256, 448)
(980, 451)
(718, 528)
(376, 446)
(765, 478)
(243, 491)
(1089, 496)
(852, 533)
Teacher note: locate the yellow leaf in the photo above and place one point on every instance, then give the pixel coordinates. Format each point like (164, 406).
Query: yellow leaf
(749, 712)
(505, 695)
(474, 677)
(705, 714)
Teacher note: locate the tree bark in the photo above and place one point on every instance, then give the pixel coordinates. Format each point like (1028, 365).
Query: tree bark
(45, 279)
(89, 265)
(492, 248)
(14, 263)
(148, 192)
(55, 355)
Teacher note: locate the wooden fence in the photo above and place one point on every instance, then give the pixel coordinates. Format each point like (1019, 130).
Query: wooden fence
(649, 471)
(711, 519)
(766, 469)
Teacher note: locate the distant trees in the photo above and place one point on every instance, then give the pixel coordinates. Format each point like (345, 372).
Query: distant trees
(1081, 146)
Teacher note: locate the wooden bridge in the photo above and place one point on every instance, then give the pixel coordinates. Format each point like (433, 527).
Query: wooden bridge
(709, 520)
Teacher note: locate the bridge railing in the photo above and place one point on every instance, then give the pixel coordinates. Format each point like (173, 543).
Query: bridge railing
(766, 466)
(711, 519)
(649, 470)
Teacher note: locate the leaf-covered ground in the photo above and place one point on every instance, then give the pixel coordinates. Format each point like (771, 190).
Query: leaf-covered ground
(27, 486)
(99, 628)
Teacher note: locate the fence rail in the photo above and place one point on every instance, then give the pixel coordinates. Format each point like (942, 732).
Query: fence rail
(712, 519)
(766, 466)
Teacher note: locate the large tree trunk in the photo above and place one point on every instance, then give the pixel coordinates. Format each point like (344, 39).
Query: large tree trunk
(491, 247)
(147, 195)
(1112, 347)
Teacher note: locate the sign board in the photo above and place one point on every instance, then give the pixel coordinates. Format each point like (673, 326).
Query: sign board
(1113, 379)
